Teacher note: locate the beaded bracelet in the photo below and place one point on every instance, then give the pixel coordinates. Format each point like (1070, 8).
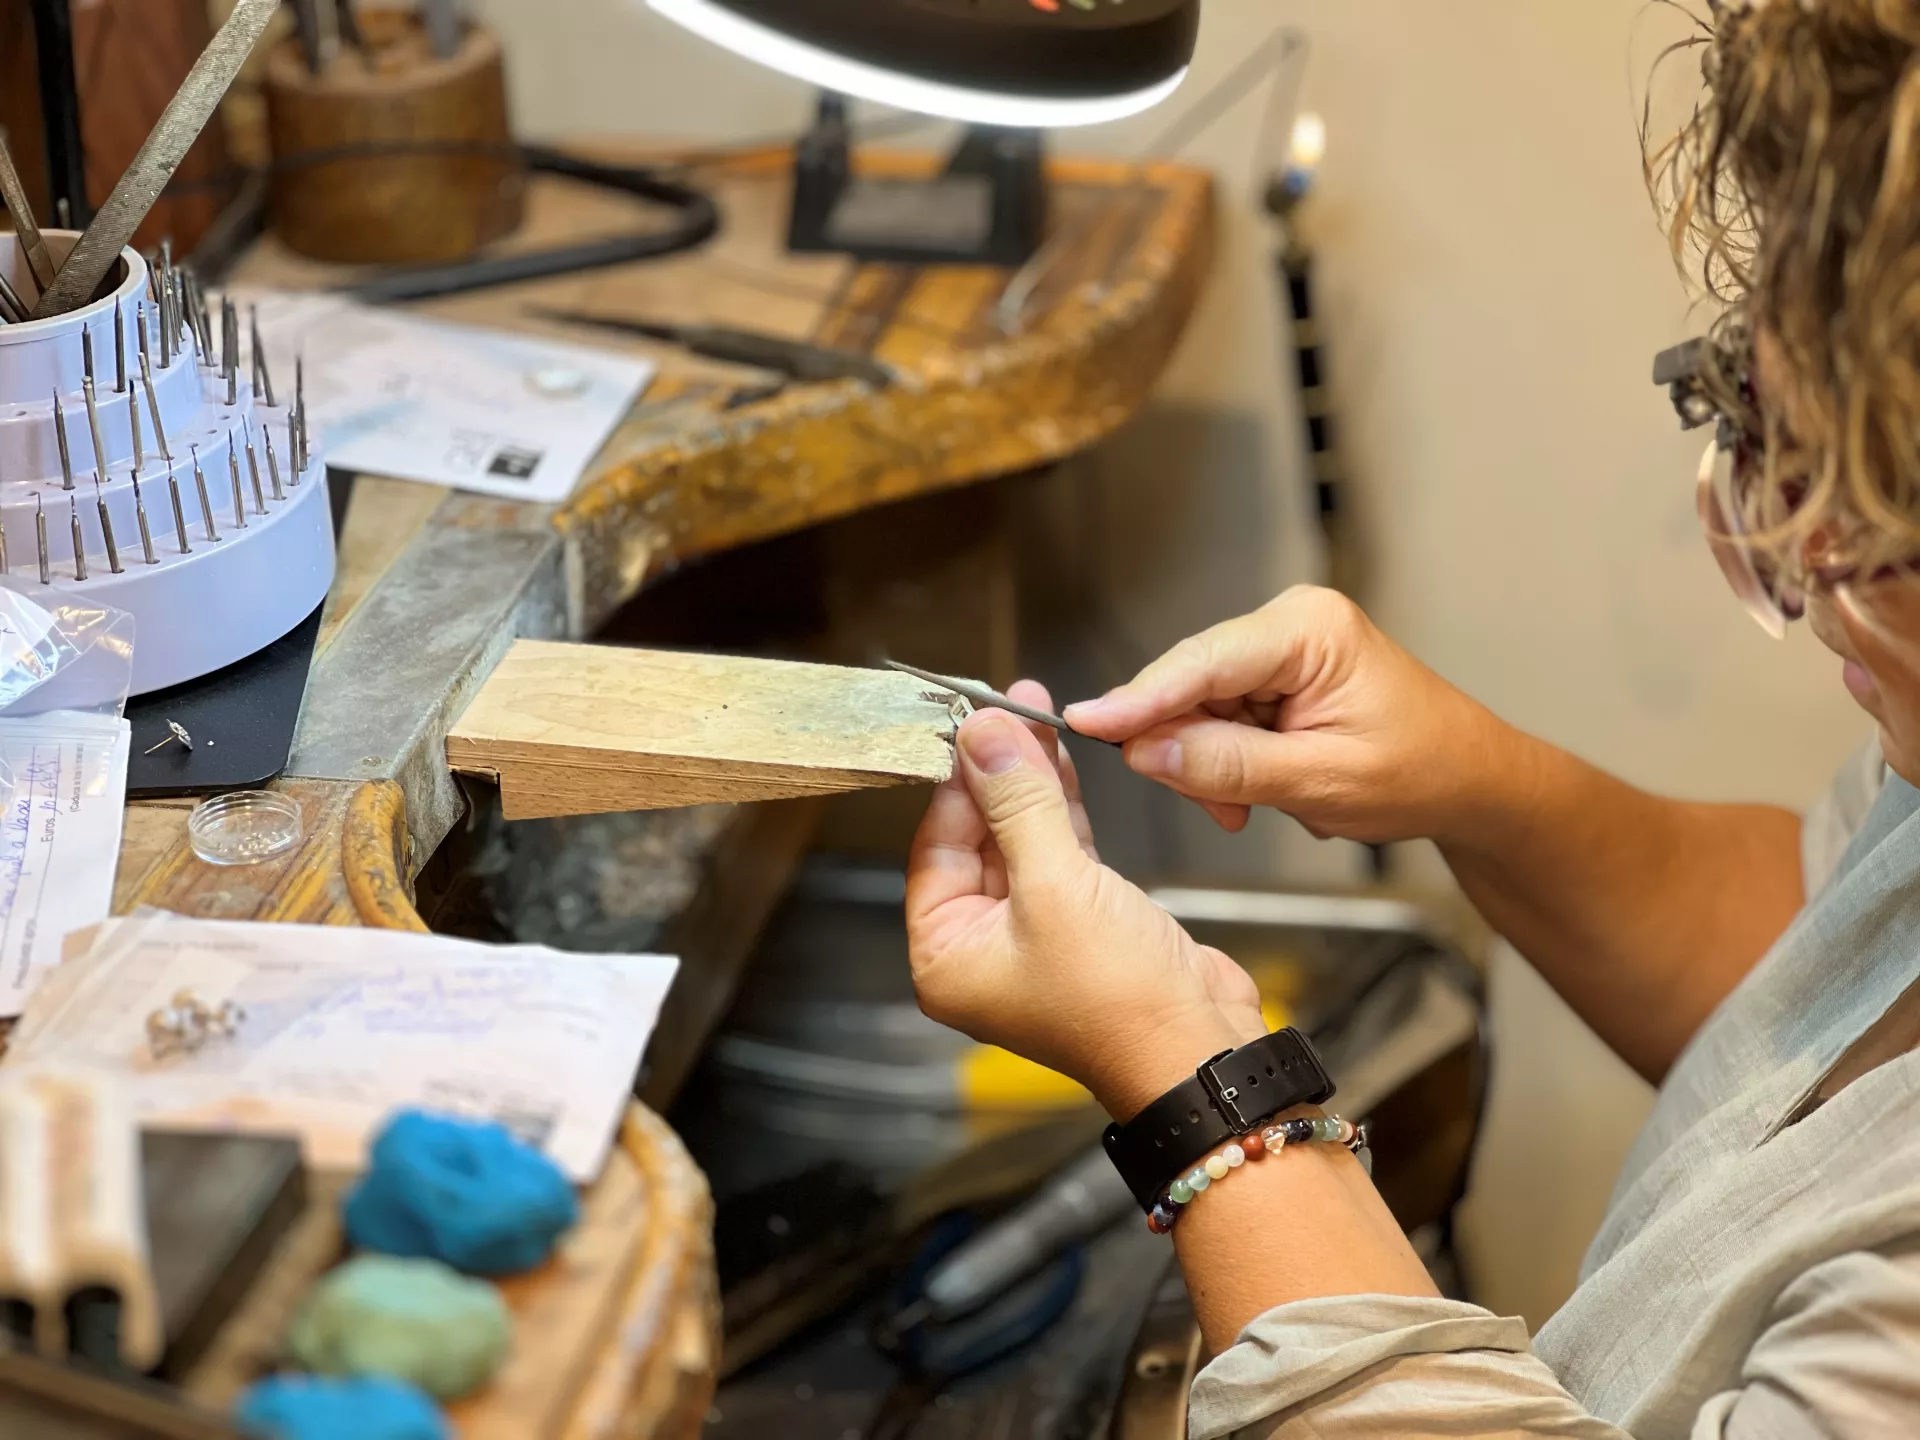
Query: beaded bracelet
(1262, 1142)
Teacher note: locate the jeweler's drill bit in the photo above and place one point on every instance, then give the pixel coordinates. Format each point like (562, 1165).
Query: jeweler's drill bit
(200, 485)
(60, 437)
(230, 347)
(179, 515)
(133, 425)
(40, 529)
(170, 306)
(190, 313)
(119, 350)
(169, 332)
(202, 321)
(140, 515)
(297, 437)
(253, 471)
(106, 525)
(79, 540)
(233, 471)
(263, 382)
(273, 465)
(140, 327)
(93, 426)
(86, 352)
(153, 404)
(187, 341)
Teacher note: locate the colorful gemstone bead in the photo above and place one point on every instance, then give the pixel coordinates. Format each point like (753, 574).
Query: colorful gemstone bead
(1180, 1192)
(1274, 1137)
(1160, 1219)
(1217, 1167)
(1299, 1132)
(1198, 1179)
(1235, 1157)
(1327, 1128)
(1347, 1132)
(1252, 1146)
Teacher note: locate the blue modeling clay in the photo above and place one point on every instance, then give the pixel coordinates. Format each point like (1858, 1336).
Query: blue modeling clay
(464, 1192)
(301, 1407)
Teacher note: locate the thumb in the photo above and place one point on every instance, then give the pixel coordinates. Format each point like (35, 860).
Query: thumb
(1019, 791)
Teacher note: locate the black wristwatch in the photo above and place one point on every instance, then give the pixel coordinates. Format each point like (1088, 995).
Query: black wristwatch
(1228, 1096)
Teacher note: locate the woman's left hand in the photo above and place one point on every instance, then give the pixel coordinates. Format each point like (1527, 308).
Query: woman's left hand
(1021, 938)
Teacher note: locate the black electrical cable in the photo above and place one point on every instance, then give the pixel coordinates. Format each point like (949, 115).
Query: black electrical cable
(698, 222)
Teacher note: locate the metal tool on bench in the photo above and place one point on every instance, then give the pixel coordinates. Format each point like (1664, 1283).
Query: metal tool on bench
(180, 124)
(980, 697)
(14, 194)
(797, 359)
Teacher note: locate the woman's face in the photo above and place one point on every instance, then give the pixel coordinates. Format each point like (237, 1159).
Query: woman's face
(1880, 666)
(1877, 637)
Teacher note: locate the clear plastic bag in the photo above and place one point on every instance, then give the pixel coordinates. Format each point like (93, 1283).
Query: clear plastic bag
(62, 651)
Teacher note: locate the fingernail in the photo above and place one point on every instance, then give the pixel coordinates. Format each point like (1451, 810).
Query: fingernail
(1156, 757)
(992, 745)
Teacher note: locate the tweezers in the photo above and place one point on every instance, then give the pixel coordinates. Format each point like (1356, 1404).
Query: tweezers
(981, 698)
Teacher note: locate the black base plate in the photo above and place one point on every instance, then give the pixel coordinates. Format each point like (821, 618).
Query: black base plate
(241, 719)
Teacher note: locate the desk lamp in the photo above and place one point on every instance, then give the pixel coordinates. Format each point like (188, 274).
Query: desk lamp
(1007, 68)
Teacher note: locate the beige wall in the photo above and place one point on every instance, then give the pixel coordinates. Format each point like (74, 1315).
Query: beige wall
(1494, 287)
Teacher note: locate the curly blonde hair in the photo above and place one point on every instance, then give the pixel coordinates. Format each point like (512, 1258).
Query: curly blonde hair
(1794, 187)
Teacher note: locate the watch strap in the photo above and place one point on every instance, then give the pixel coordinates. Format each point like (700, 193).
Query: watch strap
(1229, 1095)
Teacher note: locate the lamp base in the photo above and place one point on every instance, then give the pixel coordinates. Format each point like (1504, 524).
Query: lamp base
(988, 207)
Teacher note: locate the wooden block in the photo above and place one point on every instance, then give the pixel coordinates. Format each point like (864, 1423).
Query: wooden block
(589, 729)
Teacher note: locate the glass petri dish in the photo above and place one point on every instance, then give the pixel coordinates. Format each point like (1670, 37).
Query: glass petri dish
(244, 827)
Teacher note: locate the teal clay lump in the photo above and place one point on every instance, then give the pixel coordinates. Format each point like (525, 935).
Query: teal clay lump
(300, 1407)
(413, 1320)
(466, 1192)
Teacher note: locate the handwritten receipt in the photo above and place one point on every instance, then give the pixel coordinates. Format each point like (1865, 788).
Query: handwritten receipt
(65, 786)
(344, 1025)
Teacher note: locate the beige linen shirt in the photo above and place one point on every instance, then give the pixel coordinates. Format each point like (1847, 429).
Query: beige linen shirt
(1751, 1279)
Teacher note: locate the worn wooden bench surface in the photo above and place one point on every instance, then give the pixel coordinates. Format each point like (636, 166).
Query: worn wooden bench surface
(433, 587)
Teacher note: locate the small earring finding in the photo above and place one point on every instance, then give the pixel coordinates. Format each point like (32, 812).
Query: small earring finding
(186, 1024)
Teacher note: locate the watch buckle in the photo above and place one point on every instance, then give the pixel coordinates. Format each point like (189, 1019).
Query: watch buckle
(1224, 1097)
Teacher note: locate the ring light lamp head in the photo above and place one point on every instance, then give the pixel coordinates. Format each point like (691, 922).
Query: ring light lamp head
(1028, 64)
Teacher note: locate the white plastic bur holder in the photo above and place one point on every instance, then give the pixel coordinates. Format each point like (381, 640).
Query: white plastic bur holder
(241, 583)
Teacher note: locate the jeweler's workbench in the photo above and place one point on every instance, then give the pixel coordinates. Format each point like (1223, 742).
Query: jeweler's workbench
(432, 587)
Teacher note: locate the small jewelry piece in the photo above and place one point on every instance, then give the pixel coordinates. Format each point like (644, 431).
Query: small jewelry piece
(1256, 1145)
(179, 733)
(186, 1024)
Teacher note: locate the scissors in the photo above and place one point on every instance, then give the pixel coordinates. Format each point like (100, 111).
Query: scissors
(981, 698)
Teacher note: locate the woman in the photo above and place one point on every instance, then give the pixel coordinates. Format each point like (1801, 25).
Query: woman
(1758, 1272)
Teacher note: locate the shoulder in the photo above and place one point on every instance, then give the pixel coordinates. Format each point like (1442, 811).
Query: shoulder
(1836, 817)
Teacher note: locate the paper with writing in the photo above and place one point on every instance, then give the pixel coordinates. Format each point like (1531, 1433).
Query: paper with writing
(392, 394)
(64, 778)
(345, 1025)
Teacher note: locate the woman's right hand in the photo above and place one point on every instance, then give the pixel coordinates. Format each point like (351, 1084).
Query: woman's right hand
(1305, 706)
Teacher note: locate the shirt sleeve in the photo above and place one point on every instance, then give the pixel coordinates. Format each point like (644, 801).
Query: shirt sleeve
(1371, 1365)
(1838, 1359)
